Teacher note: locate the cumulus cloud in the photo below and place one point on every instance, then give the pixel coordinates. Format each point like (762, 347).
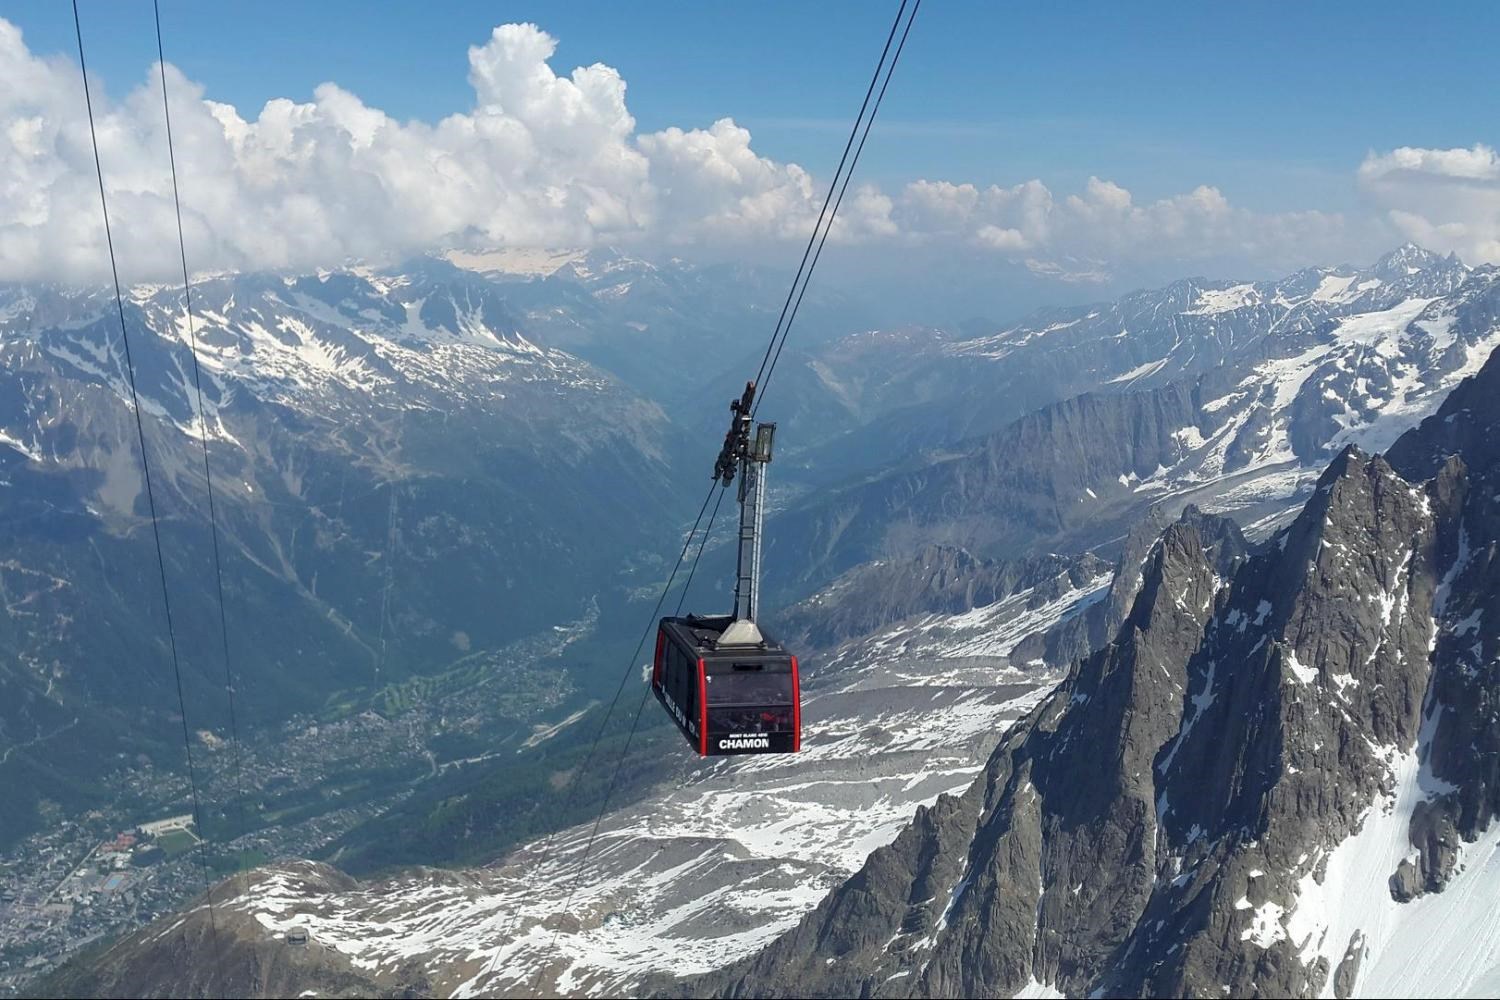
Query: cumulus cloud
(712, 184)
(540, 160)
(1444, 199)
(1013, 218)
(543, 159)
(1103, 222)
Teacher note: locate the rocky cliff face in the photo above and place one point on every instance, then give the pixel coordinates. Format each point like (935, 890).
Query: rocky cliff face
(1278, 769)
(938, 580)
(1095, 625)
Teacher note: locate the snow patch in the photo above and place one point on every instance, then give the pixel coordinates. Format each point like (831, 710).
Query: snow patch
(519, 261)
(1265, 924)
(1332, 288)
(1440, 944)
(1220, 300)
(1034, 990)
(1139, 372)
(1305, 674)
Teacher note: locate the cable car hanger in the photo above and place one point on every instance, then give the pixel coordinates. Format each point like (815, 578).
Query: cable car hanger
(750, 456)
(730, 687)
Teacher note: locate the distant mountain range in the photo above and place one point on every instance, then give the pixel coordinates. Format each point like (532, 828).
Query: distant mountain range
(1057, 434)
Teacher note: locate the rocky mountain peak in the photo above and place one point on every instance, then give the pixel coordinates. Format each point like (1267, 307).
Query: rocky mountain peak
(1077, 636)
(1408, 258)
(1421, 269)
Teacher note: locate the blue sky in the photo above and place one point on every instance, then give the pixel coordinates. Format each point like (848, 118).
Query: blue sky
(1276, 106)
(1273, 103)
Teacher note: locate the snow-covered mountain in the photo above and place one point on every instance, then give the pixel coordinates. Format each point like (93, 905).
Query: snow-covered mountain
(937, 388)
(683, 334)
(1265, 782)
(1276, 780)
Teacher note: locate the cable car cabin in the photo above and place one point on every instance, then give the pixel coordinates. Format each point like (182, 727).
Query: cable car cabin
(727, 699)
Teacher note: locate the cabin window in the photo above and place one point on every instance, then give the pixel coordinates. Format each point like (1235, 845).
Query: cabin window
(750, 719)
(683, 674)
(750, 701)
(750, 688)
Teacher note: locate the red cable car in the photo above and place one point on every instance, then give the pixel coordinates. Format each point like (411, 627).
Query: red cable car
(731, 688)
(727, 699)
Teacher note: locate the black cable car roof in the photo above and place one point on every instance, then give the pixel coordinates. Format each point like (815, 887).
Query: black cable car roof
(705, 632)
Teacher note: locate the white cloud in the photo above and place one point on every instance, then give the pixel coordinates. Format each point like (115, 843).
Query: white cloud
(1014, 218)
(540, 160)
(1002, 239)
(711, 184)
(1445, 199)
(549, 160)
(1103, 222)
